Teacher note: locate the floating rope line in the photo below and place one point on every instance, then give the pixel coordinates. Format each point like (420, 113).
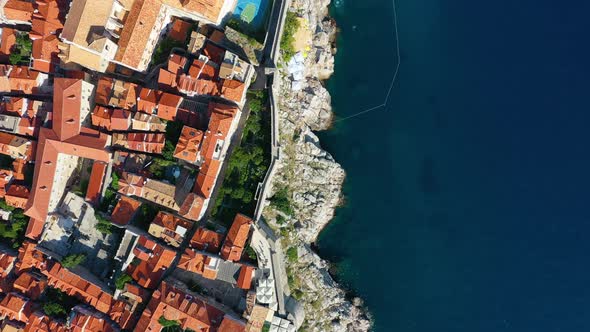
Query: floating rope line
(394, 78)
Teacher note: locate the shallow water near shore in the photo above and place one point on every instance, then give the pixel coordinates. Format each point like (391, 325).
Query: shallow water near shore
(467, 196)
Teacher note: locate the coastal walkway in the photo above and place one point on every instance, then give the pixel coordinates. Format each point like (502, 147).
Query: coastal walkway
(264, 239)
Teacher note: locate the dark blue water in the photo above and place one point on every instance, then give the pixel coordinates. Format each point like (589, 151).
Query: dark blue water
(467, 196)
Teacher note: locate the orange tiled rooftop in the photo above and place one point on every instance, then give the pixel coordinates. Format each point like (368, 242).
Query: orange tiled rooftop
(207, 240)
(189, 144)
(236, 238)
(125, 210)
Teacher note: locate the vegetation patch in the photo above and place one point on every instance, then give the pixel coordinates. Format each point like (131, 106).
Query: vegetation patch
(73, 260)
(288, 38)
(13, 230)
(122, 281)
(21, 51)
(248, 163)
(281, 201)
(250, 253)
(254, 36)
(167, 322)
(56, 303)
(104, 225)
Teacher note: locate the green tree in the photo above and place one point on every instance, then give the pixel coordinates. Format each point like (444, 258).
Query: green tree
(21, 50)
(56, 303)
(54, 309)
(250, 253)
(281, 201)
(73, 260)
(104, 226)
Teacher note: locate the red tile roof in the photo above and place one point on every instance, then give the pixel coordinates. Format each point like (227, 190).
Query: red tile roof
(166, 79)
(67, 94)
(230, 324)
(88, 320)
(17, 196)
(207, 177)
(120, 120)
(95, 183)
(193, 86)
(29, 257)
(7, 41)
(18, 10)
(176, 304)
(192, 206)
(90, 293)
(232, 90)
(168, 106)
(101, 117)
(189, 144)
(44, 53)
(38, 322)
(153, 258)
(245, 277)
(16, 307)
(104, 88)
(199, 69)
(68, 137)
(214, 53)
(7, 261)
(125, 210)
(23, 80)
(144, 142)
(207, 240)
(199, 263)
(31, 285)
(179, 30)
(35, 229)
(147, 100)
(174, 227)
(176, 64)
(236, 238)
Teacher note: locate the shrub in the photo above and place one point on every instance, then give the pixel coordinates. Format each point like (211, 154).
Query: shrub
(73, 260)
(282, 202)
(292, 254)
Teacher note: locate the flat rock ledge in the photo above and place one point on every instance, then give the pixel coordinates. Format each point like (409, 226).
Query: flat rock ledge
(313, 180)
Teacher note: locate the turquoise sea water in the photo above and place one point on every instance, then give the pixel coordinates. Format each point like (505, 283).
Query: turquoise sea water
(467, 195)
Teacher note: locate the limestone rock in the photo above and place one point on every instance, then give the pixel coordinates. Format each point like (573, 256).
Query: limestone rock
(314, 180)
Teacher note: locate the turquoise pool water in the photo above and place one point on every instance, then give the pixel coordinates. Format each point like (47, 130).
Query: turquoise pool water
(253, 12)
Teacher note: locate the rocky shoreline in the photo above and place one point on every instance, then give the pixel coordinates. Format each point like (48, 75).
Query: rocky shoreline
(313, 180)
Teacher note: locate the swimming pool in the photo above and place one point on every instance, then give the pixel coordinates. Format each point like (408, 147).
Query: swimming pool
(252, 12)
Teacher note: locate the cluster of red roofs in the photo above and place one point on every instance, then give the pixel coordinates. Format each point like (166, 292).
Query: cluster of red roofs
(42, 120)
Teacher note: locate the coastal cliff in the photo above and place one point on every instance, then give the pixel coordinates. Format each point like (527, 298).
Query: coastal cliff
(309, 178)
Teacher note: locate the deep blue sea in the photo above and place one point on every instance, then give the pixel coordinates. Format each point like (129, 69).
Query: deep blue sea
(468, 196)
